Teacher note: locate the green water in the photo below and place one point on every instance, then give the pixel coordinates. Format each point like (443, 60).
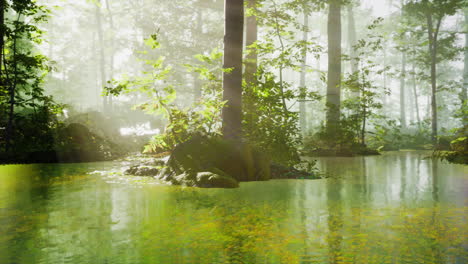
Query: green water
(395, 208)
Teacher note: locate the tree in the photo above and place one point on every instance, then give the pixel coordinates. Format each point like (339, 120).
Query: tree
(463, 95)
(403, 90)
(102, 55)
(352, 39)
(334, 66)
(433, 13)
(251, 39)
(2, 34)
(302, 103)
(232, 76)
(22, 74)
(403, 81)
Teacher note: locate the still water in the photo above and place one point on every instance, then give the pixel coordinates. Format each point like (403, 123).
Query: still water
(394, 208)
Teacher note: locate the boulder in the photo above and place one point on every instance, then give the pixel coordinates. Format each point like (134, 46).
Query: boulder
(212, 180)
(239, 161)
(200, 179)
(138, 170)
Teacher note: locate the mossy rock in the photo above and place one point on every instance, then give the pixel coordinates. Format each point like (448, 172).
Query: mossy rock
(212, 180)
(216, 163)
(138, 170)
(200, 179)
(239, 161)
(460, 145)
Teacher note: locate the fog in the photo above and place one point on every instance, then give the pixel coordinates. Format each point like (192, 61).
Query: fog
(187, 28)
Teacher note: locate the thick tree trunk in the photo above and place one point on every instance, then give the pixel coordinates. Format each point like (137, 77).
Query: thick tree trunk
(232, 81)
(251, 38)
(102, 63)
(403, 91)
(334, 66)
(302, 103)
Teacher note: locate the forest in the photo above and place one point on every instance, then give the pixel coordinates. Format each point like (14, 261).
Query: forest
(233, 131)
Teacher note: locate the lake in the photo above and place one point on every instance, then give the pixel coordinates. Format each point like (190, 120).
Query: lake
(395, 208)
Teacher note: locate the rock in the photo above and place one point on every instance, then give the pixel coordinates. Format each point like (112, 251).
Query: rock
(138, 170)
(215, 163)
(212, 180)
(200, 179)
(239, 161)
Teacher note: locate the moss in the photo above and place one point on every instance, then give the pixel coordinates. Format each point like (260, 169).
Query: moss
(212, 180)
(458, 152)
(201, 154)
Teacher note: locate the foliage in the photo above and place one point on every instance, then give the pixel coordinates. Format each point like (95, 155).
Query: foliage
(201, 118)
(457, 149)
(364, 100)
(27, 116)
(269, 127)
(269, 124)
(362, 103)
(388, 135)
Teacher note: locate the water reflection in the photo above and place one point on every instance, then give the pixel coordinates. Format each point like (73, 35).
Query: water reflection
(335, 215)
(397, 208)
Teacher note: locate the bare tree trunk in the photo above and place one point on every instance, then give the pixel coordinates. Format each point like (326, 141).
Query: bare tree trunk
(384, 96)
(251, 38)
(302, 103)
(402, 91)
(232, 81)
(2, 46)
(334, 66)
(112, 50)
(197, 85)
(102, 62)
(433, 35)
(352, 39)
(463, 95)
(2, 36)
(415, 96)
(95, 54)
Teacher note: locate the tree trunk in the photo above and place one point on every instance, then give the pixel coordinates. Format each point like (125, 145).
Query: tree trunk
(102, 64)
(433, 54)
(352, 39)
(463, 95)
(415, 96)
(2, 36)
(11, 83)
(384, 97)
(302, 103)
(251, 38)
(197, 85)
(334, 66)
(402, 91)
(112, 50)
(2, 45)
(232, 81)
